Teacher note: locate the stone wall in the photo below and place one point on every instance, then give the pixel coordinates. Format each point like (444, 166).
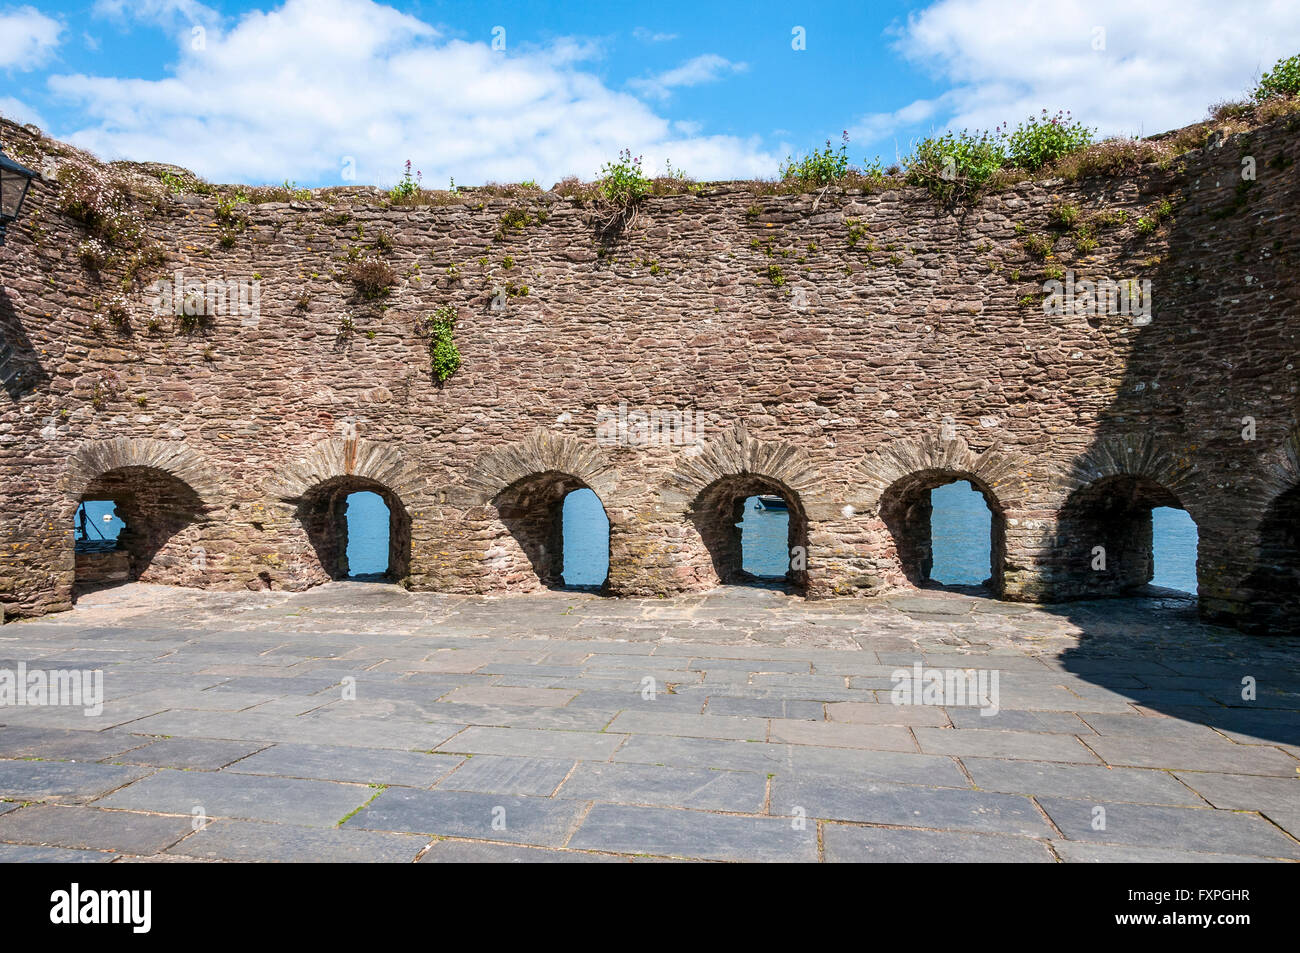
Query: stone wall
(848, 351)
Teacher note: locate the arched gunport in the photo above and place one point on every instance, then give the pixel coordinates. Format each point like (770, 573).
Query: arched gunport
(150, 534)
(1105, 534)
(717, 513)
(323, 512)
(532, 511)
(906, 509)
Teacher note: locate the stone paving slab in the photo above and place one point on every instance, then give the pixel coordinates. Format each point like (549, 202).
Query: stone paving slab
(715, 666)
(573, 717)
(860, 713)
(649, 721)
(907, 806)
(739, 792)
(765, 708)
(190, 753)
(28, 780)
(487, 773)
(312, 728)
(1241, 792)
(115, 713)
(1197, 829)
(24, 854)
(501, 817)
(694, 834)
(1100, 782)
(1156, 728)
(90, 828)
(1043, 722)
(218, 794)
(65, 745)
(529, 742)
(793, 759)
(256, 841)
(1224, 757)
(472, 852)
(857, 845)
(1289, 821)
(505, 695)
(832, 734)
(1026, 745)
(351, 764)
(684, 702)
(1078, 853)
(361, 722)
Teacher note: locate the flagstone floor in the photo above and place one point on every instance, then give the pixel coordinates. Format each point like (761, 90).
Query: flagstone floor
(359, 722)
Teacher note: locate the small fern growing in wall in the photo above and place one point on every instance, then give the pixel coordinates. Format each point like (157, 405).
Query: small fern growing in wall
(444, 356)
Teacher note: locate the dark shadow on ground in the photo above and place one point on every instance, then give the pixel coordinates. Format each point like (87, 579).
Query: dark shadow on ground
(1153, 649)
(1187, 374)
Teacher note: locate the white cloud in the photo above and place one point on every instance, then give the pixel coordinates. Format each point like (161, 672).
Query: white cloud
(707, 68)
(27, 38)
(168, 11)
(1163, 62)
(19, 112)
(291, 92)
(879, 127)
(649, 36)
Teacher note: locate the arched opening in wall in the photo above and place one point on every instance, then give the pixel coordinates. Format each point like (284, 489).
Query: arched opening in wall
(755, 529)
(1275, 583)
(561, 528)
(1120, 534)
(351, 519)
(132, 523)
(948, 530)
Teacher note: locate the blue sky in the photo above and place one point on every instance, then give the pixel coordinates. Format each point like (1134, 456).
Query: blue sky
(328, 92)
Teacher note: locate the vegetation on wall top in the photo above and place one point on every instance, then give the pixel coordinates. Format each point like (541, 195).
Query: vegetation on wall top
(1282, 80)
(107, 199)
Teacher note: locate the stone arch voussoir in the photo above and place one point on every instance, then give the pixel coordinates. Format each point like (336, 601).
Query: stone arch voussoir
(1283, 473)
(356, 457)
(92, 460)
(1139, 455)
(539, 452)
(736, 453)
(1005, 474)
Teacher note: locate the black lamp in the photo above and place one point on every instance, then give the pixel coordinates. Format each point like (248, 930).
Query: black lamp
(14, 180)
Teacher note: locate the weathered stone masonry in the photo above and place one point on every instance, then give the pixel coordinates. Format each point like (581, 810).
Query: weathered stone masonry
(903, 345)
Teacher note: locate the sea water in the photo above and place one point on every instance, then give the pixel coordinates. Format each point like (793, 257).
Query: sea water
(586, 539)
(368, 521)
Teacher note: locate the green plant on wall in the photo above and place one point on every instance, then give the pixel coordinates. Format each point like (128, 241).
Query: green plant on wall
(444, 355)
(408, 188)
(819, 167)
(1043, 139)
(622, 183)
(621, 187)
(955, 165)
